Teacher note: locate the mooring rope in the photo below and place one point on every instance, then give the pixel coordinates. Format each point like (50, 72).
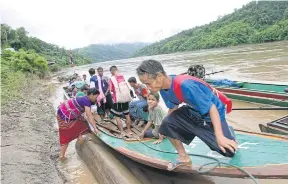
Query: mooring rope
(217, 162)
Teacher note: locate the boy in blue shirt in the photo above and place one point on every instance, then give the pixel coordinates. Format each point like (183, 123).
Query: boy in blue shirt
(202, 116)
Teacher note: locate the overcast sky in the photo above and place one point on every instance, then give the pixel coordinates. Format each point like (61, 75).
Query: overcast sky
(73, 24)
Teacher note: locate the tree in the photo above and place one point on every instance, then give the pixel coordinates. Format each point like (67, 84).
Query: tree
(256, 22)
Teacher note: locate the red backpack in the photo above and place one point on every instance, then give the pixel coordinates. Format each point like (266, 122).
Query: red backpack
(177, 89)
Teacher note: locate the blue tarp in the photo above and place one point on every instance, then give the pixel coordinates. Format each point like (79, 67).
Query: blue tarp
(225, 82)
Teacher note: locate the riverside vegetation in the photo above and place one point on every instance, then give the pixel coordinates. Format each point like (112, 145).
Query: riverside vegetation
(28, 61)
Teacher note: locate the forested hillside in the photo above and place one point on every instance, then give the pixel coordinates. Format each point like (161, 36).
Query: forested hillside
(19, 39)
(256, 22)
(24, 59)
(101, 52)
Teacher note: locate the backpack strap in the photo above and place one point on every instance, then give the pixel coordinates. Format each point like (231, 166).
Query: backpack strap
(178, 81)
(177, 89)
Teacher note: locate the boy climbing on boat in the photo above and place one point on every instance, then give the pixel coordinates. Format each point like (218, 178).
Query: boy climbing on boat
(156, 115)
(122, 98)
(202, 116)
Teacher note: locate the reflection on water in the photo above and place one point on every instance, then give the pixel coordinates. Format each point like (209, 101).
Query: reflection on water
(251, 63)
(75, 169)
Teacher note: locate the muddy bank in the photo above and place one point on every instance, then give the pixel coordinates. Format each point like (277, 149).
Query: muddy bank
(29, 144)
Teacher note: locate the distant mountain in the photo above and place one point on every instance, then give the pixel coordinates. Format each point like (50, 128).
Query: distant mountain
(256, 22)
(103, 52)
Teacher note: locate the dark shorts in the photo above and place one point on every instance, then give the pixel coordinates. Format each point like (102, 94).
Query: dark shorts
(105, 106)
(109, 102)
(185, 123)
(120, 108)
(149, 134)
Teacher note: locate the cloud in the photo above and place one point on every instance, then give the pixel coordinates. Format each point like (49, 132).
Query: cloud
(77, 24)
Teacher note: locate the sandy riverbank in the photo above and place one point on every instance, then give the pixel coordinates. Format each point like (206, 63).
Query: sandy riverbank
(29, 144)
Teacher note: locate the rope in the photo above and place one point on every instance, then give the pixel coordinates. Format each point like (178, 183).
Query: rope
(216, 162)
(199, 170)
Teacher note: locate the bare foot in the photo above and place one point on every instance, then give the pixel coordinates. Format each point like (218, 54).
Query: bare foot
(81, 140)
(179, 162)
(62, 158)
(129, 132)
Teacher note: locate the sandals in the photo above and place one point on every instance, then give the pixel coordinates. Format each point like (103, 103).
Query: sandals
(178, 163)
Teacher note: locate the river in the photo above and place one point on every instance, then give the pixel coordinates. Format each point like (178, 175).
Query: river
(266, 63)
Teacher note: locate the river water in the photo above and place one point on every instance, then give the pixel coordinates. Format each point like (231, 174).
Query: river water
(266, 63)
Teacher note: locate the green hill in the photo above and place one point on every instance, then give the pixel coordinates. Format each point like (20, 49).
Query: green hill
(256, 22)
(19, 39)
(101, 52)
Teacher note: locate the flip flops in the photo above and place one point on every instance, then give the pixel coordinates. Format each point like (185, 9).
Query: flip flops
(178, 163)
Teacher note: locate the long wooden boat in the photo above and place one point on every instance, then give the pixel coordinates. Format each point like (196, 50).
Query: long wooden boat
(262, 155)
(273, 94)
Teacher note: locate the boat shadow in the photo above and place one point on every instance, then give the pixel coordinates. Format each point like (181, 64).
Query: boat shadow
(150, 175)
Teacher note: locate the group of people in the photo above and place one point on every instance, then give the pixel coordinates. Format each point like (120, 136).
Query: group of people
(113, 98)
(202, 115)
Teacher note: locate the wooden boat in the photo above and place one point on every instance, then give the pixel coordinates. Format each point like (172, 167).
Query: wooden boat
(279, 126)
(272, 94)
(262, 155)
(259, 154)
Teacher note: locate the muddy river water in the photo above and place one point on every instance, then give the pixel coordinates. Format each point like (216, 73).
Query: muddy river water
(267, 63)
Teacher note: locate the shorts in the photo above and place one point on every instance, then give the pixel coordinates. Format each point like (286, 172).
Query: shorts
(185, 123)
(120, 108)
(105, 106)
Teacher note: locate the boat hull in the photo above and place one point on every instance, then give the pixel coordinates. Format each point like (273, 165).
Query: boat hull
(256, 92)
(259, 154)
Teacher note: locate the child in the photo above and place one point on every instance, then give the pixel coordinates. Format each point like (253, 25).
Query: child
(136, 106)
(121, 98)
(156, 115)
